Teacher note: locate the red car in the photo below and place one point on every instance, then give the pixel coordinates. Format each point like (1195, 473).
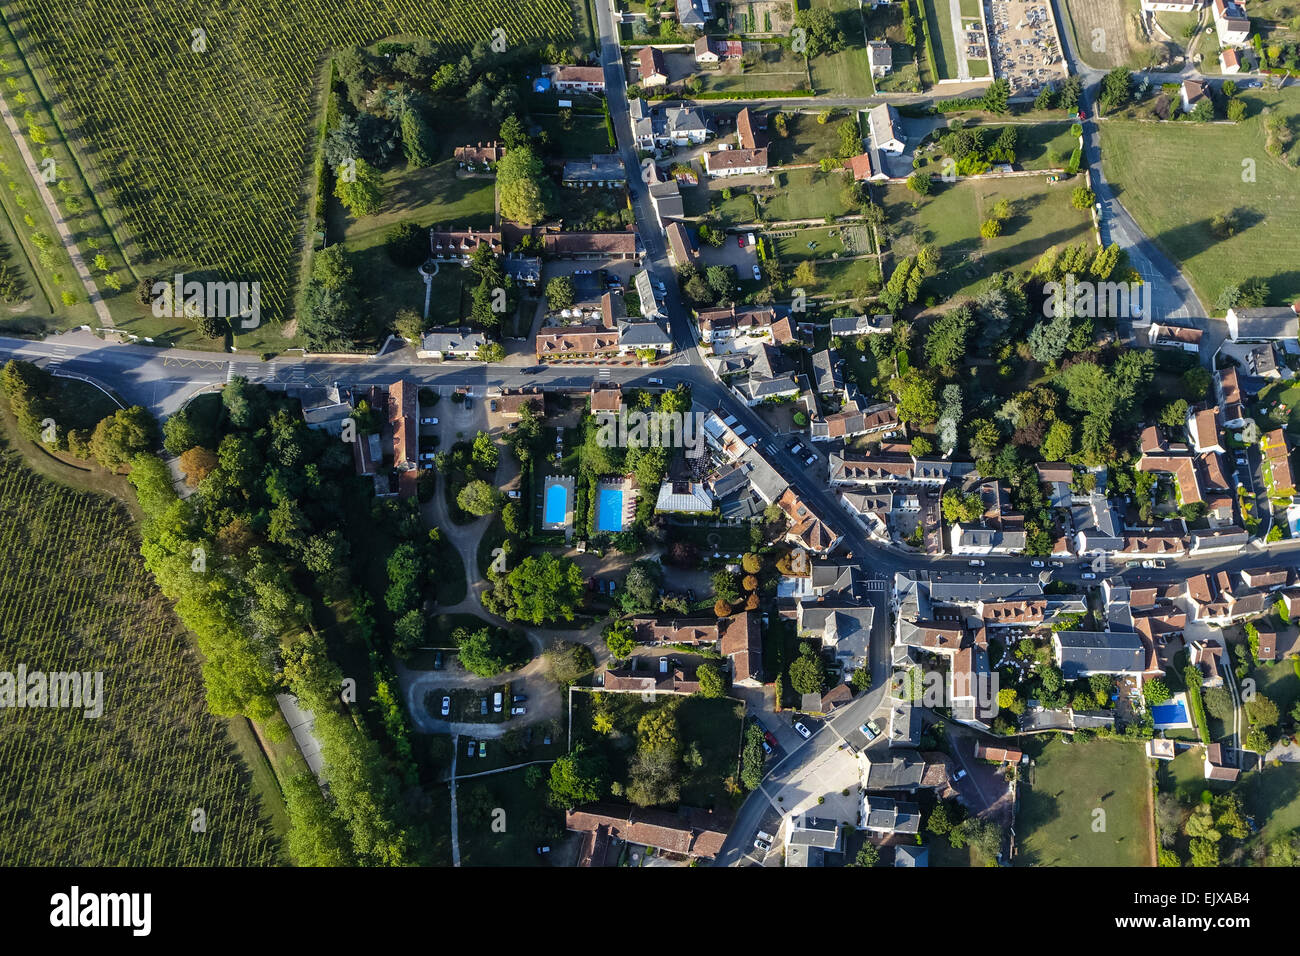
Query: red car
(740, 241)
(767, 735)
(1082, 115)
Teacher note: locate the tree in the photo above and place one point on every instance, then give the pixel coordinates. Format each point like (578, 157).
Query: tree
(361, 191)
(121, 436)
(620, 641)
(1082, 197)
(479, 498)
(721, 608)
(523, 191)
(919, 183)
(576, 778)
(991, 228)
(560, 293)
(945, 345)
(641, 587)
(751, 563)
(1058, 444)
(485, 453)
(1236, 109)
(869, 855)
(1116, 90)
(807, 674)
(406, 243)
(1262, 711)
(418, 141)
(491, 352)
(197, 463)
(995, 97)
(917, 403)
(1155, 692)
(821, 33)
(712, 681)
(959, 508)
(540, 589)
(567, 661)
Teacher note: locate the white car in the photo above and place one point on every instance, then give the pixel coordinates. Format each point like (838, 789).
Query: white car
(975, 563)
(761, 844)
(758, 273)
(428, 421)
(749, 238)
(959, 774)
(1148, 564)
(1088, 576)
(513, 494)
(518, 711)
(803, 731)
(1036, 564)
(1058, 564)
(446, 706)
(656, 381)
(810, 460)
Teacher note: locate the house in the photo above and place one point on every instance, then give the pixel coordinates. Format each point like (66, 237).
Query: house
(1203, 430)
(754, 321)
(710, 50)
(684, 497)
(885, 816)
(509, 403)
(403, 425)
(642, 336)
(1276, 464)
(886, 129)
(1193, 92)
(887, 468)
(736, 162)
(606, 398)
(861, 325)
(750, 131)
(479, 157)
(1266, 579)
(325, 409)
(1158, 748)
(705, 52)
(827, 378)
(808, 529)
(1231, 22)
(580, 79)
(666, 197)
(1268, 322)
(577, 341)
(740, 640)
(1207, 655)
(1084, 653)
(459, 244)
(1174, 336)
(1261, 362)
(698, 834)
(687, 125)
(652, 71)
(1227, 388)
(880, 57)
(590, 245)
(1229, 61)
(602, 172)
(1214, 599)
(808, 839)
(911, 856)
(1275, 645)
(1219, 760)
(998, 754)
(998, 531)
(681, 250)
(524, 270)
(450, 343)
(693, 13)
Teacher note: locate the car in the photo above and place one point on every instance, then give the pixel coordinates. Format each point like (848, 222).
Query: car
(1251, 85)
(796, 449)
(518, 711)
(612, 584)
(513, 494)
(656, 381)
(437, 660)
(1058, 564)
(469, 751)
(1036, 564)
(749, 237)
(767, 748)
(546, 741)
(582, 272)
(803, 731)
(482, 748)
(428, 421)
(769, 737)
(1148, 564)
(810, 460)
(531, 369)
(446, 706)
(1241, 459)
(690, 595)
(761, 844)
(1088, 576)
(518, 698)
(543, 849)
(1160, 562)
(426, 466)
(959, 774)
(1082, 115)
(663, 289)
(496, 702)
(469, 403)
(427, 457)
(870, 730)
(482, 706)
(975, 563)
(758, 273)
(740, 241)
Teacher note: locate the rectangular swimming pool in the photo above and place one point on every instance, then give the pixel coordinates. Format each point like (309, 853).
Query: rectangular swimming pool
(1171, 714)
(557, 504)
(609, 509)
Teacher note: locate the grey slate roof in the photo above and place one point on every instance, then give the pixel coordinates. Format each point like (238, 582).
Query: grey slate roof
(1081, 653)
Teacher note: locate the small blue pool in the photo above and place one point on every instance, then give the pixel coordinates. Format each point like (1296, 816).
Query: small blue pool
(609, 509)
(1170, 714)
(557, 504)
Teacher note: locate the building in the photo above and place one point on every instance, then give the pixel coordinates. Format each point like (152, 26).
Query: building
(709, 50)
(1231, 22)
(886, 129)
(480, 157)
(808, 838)
(751, 133)
(687, 832)
(1193, 92)
(1276, 464)
(459, 244)
(524, 270)
(580, 79)
(861, 325)
(1267, 322)
(735, 162)
(1229, 61)
(325, 409)
(885, 816)
(694, 13)
(590, 245)
(1219, 763)
(1084, 653)
(1174, 336)
(880, 57)
(666, 197)
(450, 343)
(681, 250)
(827, 376)
(652, 71)
(602, 172)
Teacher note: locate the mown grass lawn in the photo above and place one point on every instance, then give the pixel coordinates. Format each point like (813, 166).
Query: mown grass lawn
(938, 20)
(1173, 177)
(847, 73)
(1070, 781)
(806, 140)
(1041, 217)
(805, 194)
(508, 837)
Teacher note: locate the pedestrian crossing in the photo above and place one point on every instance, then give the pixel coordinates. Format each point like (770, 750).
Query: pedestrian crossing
(876, 585)
(604, 374)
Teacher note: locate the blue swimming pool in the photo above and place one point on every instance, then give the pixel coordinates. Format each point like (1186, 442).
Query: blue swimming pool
(609, 510)
(557, 504)
(1169, 714)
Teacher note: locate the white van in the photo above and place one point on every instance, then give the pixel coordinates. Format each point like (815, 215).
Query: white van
(496, 702)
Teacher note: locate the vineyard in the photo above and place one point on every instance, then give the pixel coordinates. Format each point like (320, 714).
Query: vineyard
(199, 126)
(120, 789)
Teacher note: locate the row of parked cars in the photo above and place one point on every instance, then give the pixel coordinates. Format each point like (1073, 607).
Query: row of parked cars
(516, 709)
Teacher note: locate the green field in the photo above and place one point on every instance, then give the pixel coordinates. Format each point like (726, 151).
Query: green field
(1173, 177)
(502, 820)
(938, 22)
(232, 164)
(847, 73)
(1056, 820)
(776, 69)
(950, 217)
(120, 789)
(805, 140)
(805, 194)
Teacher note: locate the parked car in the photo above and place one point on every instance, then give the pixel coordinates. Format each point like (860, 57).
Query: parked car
(758, 273)
(767, 748)
(482, 706)
(870, 730)
(959, 774)
(810, 460)
(543, 849)
(612, 584)
(518, 711)
(749, 237)
(690, 595)
(1036, 564)
(496, 702)
(469, 403)
(663, 289)
(803, 731)
(518, 699)
(740, 241)
(975, 563)
(1088, 576)
(437, 660)
(482, 748)
(428, 421)
(546, 741)
(469, 750)
(426, 457)
(769, 737)
(446, 706)
(656, 381)
(513, 494)
(761, 844)
(1058, 564)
